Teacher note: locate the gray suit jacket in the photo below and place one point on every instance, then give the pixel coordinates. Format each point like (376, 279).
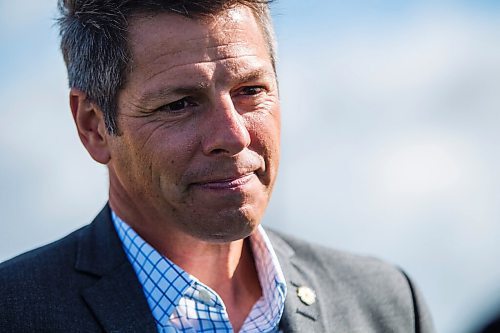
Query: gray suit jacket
(84, 283)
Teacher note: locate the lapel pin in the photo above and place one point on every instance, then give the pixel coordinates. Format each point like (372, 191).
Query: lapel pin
(306, 295)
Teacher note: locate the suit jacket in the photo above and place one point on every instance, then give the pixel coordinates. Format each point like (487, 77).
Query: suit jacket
(84, 283)
(491, 326)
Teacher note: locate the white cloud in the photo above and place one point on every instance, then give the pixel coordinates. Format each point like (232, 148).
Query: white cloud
(392, 149)
(419, 169)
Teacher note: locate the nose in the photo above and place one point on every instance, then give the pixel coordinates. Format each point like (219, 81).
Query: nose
(226, 131)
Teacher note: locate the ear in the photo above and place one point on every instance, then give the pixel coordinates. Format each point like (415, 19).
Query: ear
(90, 124)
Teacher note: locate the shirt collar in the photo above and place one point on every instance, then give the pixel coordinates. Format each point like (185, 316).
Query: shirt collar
(164, 283)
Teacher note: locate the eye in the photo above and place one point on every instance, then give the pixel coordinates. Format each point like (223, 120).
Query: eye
(251, 90)
(178, 105)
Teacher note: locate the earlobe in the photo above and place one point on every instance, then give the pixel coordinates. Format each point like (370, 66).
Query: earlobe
(89, 121)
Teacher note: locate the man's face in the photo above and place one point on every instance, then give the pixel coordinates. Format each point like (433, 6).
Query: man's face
(199, 123)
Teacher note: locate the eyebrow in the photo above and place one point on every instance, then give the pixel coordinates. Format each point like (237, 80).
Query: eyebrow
(253, 75)
(164, 92)
(199, 87)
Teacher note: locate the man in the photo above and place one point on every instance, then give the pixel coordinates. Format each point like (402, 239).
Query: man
(180, 100)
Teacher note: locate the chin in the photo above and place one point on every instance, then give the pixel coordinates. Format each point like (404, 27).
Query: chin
(226, 227)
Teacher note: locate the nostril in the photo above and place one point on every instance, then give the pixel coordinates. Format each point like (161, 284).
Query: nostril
(218, 151)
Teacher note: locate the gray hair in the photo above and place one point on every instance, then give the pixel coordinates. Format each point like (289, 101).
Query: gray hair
(94, 41)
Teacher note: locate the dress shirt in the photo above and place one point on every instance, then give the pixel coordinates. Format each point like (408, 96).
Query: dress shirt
(180, 302)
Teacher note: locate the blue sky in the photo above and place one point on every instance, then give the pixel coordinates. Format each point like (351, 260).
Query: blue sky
(390, 139)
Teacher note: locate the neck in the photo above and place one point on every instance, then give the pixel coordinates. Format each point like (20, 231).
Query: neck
(227, 268)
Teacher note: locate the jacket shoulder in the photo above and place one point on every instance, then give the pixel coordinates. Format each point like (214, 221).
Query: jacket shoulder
(41, 289)
(371, 292)
(341, 265)
(39, 260)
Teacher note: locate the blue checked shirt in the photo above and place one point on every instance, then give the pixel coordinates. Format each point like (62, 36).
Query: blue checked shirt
(179, 302)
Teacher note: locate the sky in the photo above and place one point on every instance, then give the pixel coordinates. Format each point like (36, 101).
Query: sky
(391, 114)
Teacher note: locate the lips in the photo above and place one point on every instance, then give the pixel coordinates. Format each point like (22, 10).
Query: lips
(227, 183)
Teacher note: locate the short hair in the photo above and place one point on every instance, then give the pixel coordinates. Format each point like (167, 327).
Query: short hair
(95, 46)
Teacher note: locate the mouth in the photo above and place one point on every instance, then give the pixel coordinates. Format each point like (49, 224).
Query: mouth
(227, 183)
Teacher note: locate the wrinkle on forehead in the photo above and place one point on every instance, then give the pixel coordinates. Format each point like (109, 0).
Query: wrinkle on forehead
(206, 61)
(192, 50)
(208, 47)
(201, 42)
(194, 45)
(209, 32)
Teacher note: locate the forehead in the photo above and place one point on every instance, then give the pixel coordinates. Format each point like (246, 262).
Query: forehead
(162, 38)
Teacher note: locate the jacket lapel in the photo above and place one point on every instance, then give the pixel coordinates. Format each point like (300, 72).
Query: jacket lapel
(119, 304)
(297, 316)
(116, 299)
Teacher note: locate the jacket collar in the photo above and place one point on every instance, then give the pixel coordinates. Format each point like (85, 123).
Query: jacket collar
(116, 299)
(297, 316)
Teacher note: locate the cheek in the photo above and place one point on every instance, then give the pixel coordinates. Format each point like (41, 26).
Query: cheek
(165, 144)
(169, 153)
(265, 135)
(134, 166)
(265, 129)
